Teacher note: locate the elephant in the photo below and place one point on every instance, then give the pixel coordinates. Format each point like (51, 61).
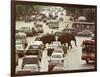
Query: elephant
(67, 38)
(47, 38)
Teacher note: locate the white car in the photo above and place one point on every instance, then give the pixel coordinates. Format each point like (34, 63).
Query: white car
(20, 36)
(57, 56)
(20, 49)
(51, 48)
(40, 43)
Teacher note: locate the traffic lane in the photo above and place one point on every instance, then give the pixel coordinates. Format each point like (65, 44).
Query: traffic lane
(73, 59)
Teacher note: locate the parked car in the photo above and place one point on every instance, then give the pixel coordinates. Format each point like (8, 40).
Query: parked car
(30, 31)
(51, 48)
(21, 38)
(88, 50)
(30, 59)
(85, 33)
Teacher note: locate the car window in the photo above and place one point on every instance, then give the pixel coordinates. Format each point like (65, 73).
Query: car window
(20, 37)
(56, 56)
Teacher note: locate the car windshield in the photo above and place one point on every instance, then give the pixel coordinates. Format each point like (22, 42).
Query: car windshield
(56, 56)
(33, 46)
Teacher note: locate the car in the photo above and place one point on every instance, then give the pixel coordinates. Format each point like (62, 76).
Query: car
(19, 42)
(30, 31)
(88, 51)
(54, 24)
(55, 60)
(20, 50)
(38, 27)
(70, 30)
(22, 38)
(85, 33)
(33, 67)
(51, 48)
(16, 58)
(59, 50)
(35, 45)
(30, 59)
(38, 38)
(57, 56)
(34, 49)
(40, 43)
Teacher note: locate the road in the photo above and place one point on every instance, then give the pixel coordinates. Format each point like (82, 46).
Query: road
(72, 60)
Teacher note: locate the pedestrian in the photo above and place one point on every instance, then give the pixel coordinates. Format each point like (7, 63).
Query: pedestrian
(65, 49)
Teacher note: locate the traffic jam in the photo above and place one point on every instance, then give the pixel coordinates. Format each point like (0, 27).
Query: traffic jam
(54, 40)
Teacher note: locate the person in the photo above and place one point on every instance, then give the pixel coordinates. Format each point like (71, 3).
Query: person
(65, 49)
(51, 32)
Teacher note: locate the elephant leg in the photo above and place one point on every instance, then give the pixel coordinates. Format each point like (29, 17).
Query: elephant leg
(75, 43)
(69, 44)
